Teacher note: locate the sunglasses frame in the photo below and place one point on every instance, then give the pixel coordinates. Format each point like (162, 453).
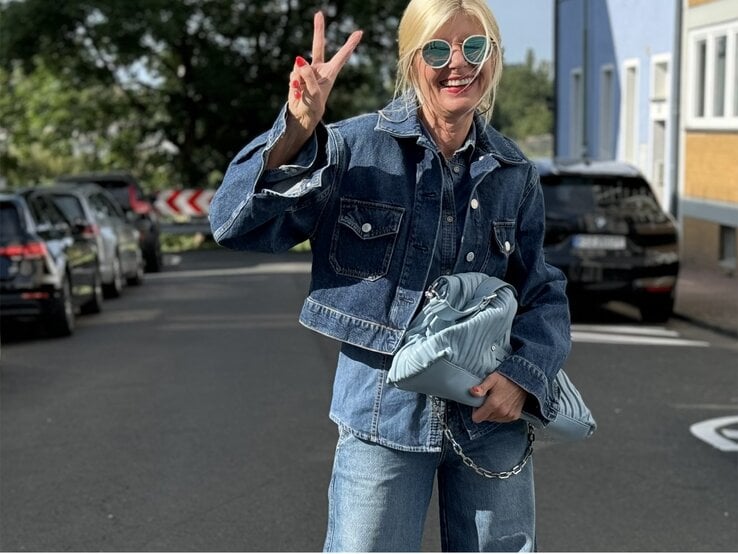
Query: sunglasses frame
(488, 54)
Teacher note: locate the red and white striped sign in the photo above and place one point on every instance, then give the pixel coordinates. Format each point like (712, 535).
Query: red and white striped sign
(191, 202)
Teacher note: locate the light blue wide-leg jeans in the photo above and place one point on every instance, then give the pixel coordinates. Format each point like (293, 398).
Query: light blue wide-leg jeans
(379, 496)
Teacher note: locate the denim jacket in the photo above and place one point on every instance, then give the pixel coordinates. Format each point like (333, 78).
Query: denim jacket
(366, 192)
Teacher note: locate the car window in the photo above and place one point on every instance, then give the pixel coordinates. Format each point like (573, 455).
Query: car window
(628, 197)
(70, 205)
(44, 210)
(11, 228)
(99, 207)
(119, 190)
(110, 208)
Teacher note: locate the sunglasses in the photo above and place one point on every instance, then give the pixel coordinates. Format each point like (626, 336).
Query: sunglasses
(475, 48)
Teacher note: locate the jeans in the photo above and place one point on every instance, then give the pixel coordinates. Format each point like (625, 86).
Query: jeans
(379, 496)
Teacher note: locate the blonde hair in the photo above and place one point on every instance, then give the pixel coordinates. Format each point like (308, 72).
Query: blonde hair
(421, 20)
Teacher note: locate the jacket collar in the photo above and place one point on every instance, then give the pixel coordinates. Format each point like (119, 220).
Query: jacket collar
(400, 118)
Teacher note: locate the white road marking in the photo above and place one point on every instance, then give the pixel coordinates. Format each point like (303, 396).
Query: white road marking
(609, 334)
(718, 432)
(259, 269)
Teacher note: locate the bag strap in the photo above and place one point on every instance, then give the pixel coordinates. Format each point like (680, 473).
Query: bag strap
(470, 463)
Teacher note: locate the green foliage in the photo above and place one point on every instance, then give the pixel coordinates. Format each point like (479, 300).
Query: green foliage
(188, 82)
(171, 90)
(523, 100)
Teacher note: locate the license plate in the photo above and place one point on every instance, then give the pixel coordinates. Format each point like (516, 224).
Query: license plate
(599, 242)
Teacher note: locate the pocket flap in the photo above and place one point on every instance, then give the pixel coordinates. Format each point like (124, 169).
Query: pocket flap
(369, 219)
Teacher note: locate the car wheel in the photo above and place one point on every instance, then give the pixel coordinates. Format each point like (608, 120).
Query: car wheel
(154, 260)
(137, 278)
(94, 305)
(115, 287)
(657, 308)
(61, 322)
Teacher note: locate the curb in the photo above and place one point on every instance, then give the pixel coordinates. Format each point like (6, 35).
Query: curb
(732, 333)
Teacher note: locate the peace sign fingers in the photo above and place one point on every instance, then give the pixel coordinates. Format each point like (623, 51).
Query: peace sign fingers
(318, 38)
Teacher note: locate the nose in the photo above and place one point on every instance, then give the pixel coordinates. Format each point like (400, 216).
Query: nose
(457, 56)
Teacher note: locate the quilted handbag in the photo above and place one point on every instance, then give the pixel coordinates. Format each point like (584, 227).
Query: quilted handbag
(460, 336)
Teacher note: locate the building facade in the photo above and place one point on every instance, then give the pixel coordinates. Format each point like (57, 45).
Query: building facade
(708, 145)
(615, 82)
(655, 83)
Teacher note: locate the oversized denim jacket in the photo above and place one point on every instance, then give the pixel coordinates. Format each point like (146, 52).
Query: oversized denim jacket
(366, 192)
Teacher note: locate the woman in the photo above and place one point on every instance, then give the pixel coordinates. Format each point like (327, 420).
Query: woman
(390, 201)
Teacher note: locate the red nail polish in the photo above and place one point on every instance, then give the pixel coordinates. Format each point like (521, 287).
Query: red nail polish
(300, 61)
(298, 95)
(295, 84)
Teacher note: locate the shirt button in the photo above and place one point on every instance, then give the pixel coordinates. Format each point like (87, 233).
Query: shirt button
(450, 218)
(470, 257)
(456, 169)
(474, 203)
(366, 227)
(507, 246)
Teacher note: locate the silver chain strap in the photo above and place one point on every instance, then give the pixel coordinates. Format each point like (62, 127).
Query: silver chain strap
(469, 462)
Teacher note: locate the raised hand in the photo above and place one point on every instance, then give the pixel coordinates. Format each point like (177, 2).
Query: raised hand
(311, 83)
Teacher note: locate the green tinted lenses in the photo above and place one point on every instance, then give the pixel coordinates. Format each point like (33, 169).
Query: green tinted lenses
(437, 52)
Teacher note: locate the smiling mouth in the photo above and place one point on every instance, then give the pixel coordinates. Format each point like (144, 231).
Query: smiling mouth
(457, 82)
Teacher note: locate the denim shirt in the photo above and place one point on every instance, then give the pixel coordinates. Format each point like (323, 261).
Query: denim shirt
(368, 194)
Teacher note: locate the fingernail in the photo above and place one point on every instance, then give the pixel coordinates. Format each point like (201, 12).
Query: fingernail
(298, 94)
(476, 390)
(300, 61)
(295, 84)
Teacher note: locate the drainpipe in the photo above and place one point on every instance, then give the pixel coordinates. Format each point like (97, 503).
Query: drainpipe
(676, 62)
(556, 147)
(585, 81)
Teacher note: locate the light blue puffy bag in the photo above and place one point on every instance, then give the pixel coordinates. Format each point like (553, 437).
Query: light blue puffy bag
(461, 335)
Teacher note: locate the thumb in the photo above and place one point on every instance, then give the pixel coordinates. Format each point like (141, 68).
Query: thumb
(483, 388)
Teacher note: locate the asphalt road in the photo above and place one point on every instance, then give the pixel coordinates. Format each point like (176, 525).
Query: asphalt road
(191, 415)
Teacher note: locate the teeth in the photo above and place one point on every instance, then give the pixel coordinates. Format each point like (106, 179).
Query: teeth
(457, 82)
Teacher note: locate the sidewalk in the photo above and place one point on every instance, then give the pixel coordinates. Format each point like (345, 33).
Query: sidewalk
(708, 298)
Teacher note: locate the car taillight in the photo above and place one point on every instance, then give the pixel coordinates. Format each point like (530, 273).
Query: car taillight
(26, 251)
(136, 205)
(90, 231)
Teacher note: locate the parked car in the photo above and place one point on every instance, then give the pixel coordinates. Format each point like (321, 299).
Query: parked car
(606, 230)
(92, 208)
(48, 271)
(129, 194)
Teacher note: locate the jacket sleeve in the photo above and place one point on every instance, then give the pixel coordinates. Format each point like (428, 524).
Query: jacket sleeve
(271, 210)
(541, 330)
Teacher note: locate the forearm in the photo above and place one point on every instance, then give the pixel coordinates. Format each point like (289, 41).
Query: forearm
(289, 144)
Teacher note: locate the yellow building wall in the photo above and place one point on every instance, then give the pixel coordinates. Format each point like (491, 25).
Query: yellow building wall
(711, 166)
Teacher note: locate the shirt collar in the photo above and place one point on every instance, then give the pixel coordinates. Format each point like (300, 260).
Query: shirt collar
(400, 118)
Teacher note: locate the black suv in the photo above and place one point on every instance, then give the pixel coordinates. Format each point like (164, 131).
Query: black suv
(606, 230)
(129, 194)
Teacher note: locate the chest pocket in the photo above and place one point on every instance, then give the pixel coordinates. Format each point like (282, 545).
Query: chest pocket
(364, 238)
(501, 246)
(504, 235)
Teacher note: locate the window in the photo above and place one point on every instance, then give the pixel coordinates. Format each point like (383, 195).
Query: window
(701, 78)
(629, 112)
(576, 146)
(735, 75)
(727, 248)
(718, 102)
(713, 74)
(606, 113)
(660, 80)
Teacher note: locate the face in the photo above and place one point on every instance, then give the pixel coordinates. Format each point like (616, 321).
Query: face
(453, 92)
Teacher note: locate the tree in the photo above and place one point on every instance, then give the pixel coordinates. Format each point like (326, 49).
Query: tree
(191, 80)
(523, 108)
